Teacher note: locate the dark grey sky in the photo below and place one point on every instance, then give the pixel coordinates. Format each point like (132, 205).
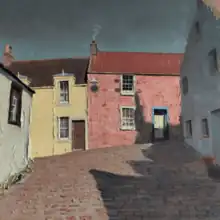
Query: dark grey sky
(54, 28)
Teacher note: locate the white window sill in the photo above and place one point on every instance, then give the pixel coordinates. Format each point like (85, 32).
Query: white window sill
(128, 128)
(63, 139)
(127, 93)
(63, 103)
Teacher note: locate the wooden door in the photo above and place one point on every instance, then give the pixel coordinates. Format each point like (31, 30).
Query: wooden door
(78, 135)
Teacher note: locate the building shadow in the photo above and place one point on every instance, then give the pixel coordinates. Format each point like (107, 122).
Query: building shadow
(145, 130)
(162, 187)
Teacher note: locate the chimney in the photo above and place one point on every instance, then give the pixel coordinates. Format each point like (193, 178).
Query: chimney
(93, 48)
(8, 58)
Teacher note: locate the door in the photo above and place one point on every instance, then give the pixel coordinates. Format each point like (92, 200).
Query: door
(160, 124)
(214, 131)
(78, 135)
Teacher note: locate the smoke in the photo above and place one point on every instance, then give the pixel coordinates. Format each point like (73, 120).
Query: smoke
(96, 30)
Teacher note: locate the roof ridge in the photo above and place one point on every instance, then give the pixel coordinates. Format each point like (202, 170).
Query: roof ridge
(49, 59)
(156, 53)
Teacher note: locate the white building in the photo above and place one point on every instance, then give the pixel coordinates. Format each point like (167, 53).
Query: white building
(200, 83)
(15, 110)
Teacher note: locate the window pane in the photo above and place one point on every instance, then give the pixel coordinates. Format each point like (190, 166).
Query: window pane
(64, 127)
(128, 117)
(127, 82)
(64, 91)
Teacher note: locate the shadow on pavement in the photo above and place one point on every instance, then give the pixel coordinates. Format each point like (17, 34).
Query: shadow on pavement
(162, 189)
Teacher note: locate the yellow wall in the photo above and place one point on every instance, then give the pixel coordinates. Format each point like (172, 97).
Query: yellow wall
(47, 109)
(41, 129)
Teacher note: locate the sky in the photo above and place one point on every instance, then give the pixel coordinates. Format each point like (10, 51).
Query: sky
(42, 29)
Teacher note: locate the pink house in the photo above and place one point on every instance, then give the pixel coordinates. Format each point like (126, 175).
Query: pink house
(133, 97)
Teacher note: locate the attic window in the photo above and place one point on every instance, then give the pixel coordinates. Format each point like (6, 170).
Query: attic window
(64, 91)
(14, 114)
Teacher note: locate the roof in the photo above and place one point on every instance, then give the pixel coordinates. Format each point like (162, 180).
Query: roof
(41, 71)
(136, 62)
(11, 74)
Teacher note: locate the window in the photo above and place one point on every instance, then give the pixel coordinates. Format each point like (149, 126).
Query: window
(128, 118)
(14, 115)
(188, 129)
(213, 61)
(205, 127)
(63, 128)
(64, 91)
(197, 30)
(127, 84)
(185, 85)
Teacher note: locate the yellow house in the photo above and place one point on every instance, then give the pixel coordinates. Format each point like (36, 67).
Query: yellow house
(59, 112)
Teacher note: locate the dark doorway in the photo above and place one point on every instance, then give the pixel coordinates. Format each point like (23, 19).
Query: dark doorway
(78, 135)
(160, 124)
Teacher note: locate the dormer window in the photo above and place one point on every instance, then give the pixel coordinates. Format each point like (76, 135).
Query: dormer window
(64, 91)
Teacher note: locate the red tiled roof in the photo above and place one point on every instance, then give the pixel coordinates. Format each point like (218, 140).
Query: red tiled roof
(41, 71)
(136, 62)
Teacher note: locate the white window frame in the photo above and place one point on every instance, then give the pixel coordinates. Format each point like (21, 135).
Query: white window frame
(64, 92)
(127, 92)
(126, 127)
(59, 128)
(187, 129)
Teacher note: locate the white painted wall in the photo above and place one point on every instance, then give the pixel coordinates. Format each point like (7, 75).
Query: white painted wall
(13, 139)
(204, 86)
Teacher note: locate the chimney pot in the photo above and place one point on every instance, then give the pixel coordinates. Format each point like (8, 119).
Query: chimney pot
(8, 57)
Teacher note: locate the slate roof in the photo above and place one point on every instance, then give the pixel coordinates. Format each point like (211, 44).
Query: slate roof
(41, 71)
(10, 73)
(136, 62)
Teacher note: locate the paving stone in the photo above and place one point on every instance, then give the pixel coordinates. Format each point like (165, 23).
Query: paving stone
(164, 181)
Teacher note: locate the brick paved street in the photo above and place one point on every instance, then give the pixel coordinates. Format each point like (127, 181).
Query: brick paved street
(116, 184)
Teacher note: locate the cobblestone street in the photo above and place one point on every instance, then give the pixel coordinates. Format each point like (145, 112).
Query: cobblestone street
(166, 181)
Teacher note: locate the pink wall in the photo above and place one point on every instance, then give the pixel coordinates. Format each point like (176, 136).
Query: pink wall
(104, 108)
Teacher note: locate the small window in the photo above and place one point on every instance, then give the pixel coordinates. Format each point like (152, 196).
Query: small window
(185, 85)
(197, 30)
(213, 61)
(64, 92)
(127, 85)
(127, 118)
(63, 128)
(205, 127)
(14, 115)
(188, 129)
